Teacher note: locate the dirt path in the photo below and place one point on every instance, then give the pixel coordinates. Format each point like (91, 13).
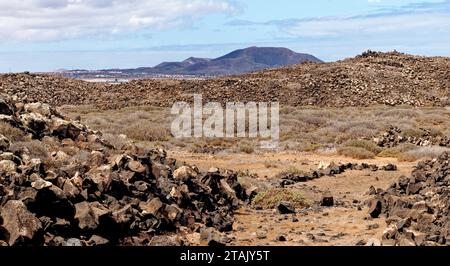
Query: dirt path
(346, 223)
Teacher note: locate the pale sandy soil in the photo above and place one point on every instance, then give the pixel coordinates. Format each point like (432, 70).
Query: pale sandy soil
(344, 224)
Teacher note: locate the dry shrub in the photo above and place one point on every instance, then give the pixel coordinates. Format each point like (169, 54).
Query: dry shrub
(97, 122)
(427, 152)
(37, 148)
(284, 136)
(270, 198)
(246, 148)
(220, 142)
(365, 144)
(11, 133)
(355, 152)
(397, 113)
(395, 152)
(433, 119)
(292, 170)
(313, 147)
(362, 132)
(139, 115)
(178, 143)
(404, 157)
(412, 132)
(435, 132)
(147, 133)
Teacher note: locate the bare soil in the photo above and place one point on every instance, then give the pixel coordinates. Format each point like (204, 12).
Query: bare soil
(346, 223)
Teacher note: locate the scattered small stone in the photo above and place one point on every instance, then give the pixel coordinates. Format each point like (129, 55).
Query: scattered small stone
(372, 190)
(390, 167)
(327, 200)
(285, 207)
(281, 238)
(375, 207)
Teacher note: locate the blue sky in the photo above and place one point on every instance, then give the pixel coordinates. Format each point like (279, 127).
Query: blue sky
(45, 35)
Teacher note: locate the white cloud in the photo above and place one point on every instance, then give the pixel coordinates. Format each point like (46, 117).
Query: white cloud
(405, 24)
(61, 19)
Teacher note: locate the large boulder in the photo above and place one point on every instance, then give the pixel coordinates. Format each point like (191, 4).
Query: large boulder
(89, 214)
(65, 129)
(5, 108)
(39, 108)
(22, 226)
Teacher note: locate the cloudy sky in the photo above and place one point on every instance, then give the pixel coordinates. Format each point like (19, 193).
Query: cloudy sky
(45, 35)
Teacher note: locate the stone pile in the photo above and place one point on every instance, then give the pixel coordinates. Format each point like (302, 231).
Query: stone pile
(331, 169)
(394, 136)
(85, 192)
(373, 78)
(417, 208)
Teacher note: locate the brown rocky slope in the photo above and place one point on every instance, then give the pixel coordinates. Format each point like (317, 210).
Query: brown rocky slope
(372, 78)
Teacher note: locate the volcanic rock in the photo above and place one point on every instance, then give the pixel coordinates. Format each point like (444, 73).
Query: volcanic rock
(22, 226)
(375, 207)
(327, 200)
(395, 136)
(417, 207)
(97, 194)
(285, 207)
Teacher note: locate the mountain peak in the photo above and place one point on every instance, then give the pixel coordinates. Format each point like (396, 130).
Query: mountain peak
(237, 62)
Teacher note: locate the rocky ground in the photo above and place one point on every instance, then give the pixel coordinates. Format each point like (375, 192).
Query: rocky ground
(83, 191)
(64, 184)
(417, 205)
(371, 78)
(346, 222)
(350, 173)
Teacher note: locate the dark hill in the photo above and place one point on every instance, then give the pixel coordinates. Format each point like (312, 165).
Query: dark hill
(237, 62)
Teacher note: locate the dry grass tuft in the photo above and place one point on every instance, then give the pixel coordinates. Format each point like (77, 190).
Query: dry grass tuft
(147, 133)
(355, 153)
(11, 133)
(395, 152)
(293, 171)
(35, 147)
(246, 148)
(428, 152)
(270, 198)
(364, 144)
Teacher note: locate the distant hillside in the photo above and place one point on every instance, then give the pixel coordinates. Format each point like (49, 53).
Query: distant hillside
(368, 79)
(237, 62)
